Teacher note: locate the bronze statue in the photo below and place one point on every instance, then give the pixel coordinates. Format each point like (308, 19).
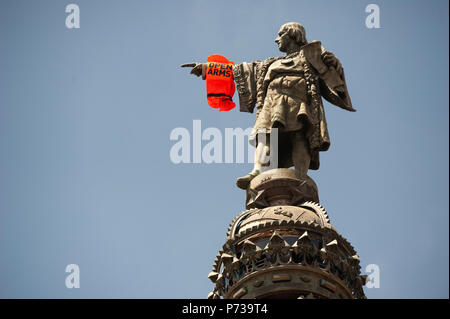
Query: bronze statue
(287, 93)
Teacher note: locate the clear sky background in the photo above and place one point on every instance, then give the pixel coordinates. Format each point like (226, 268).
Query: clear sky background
(85, 119)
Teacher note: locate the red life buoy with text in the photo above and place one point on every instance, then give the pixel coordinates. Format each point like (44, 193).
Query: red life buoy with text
(220, 86)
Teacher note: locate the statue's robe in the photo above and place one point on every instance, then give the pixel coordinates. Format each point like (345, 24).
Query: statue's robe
(287, 94)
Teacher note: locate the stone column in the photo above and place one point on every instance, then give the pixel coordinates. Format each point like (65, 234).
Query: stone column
(284, 246)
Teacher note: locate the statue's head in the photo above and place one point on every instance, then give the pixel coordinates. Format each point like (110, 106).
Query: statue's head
(290, 34)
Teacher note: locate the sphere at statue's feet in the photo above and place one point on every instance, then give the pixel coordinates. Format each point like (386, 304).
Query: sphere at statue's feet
(280, 187)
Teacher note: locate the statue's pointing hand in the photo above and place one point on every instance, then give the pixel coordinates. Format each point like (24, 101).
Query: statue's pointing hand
(196, 68)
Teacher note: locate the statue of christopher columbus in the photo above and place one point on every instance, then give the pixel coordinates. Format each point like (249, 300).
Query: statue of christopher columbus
(287, 92)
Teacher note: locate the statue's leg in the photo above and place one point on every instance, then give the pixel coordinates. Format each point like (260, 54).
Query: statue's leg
(301, 156)
(262, 154)
(261, 159)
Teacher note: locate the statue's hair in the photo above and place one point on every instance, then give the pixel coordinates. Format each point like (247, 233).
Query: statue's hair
(296, 31)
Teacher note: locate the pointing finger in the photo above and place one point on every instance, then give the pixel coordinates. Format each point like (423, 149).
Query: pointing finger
(190, 65)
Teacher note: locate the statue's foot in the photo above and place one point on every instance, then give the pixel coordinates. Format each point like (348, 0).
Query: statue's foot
(242, 182)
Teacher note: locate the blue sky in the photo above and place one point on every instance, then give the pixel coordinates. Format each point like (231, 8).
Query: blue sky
(85, 120)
